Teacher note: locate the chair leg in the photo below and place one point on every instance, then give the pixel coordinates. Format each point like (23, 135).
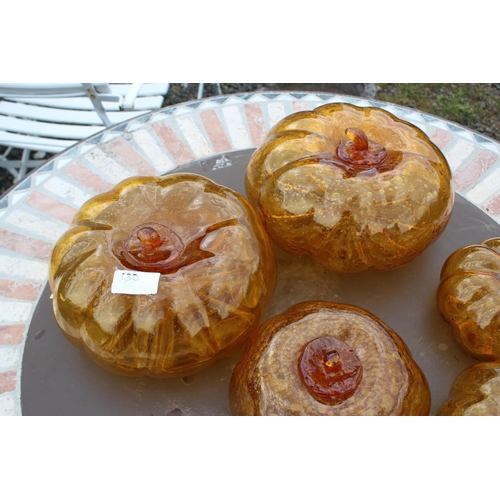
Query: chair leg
(4, 162)
(17, 169)
(97, 103)
(200, 90)
(201, 87)
(129, 99)
(6, 153)
(23, 167)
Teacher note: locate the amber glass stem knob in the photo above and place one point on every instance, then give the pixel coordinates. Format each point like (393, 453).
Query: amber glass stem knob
(358, 150)
(153, 242)
(330, 370)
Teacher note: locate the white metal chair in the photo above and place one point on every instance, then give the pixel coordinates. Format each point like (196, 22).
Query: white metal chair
(49, 118)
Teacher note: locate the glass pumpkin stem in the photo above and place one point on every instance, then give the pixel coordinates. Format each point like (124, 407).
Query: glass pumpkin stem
(154, 247)
(153, 243)
(360, 151)
(148, 236)
(358, 138)
(330, 370)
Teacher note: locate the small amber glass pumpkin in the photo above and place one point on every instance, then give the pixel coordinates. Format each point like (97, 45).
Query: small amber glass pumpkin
(324, 358)
(475, 392)
(356, 188)
(217, 272)
(468, 298)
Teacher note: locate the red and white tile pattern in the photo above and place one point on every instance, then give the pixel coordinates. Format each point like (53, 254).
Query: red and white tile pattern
(39, 210)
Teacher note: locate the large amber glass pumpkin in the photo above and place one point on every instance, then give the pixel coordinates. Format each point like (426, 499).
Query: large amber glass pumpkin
(468, 298)
(217, 271)
(324, 358)
(356, 188)
(475, 392)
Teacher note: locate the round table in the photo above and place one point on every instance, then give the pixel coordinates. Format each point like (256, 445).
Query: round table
(41, 373)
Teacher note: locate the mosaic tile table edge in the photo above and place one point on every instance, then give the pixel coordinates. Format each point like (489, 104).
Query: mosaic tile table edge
(39, 210)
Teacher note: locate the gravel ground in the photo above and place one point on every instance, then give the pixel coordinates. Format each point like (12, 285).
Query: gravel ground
(479, 107)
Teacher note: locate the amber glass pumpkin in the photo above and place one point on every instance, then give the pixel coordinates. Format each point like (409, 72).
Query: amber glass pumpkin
(355, 188)
(215, 265)
(468, 298)
(475, 392)
(324, 358)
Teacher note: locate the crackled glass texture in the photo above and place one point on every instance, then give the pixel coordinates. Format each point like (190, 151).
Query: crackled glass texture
(468, 298)
(217, 273)
(324, 358)
(355, 188)
(475, 392)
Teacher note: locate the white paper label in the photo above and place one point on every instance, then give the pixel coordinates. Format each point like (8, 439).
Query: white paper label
(135, 282)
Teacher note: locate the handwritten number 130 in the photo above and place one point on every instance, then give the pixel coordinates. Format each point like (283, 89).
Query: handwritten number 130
(129, 277)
